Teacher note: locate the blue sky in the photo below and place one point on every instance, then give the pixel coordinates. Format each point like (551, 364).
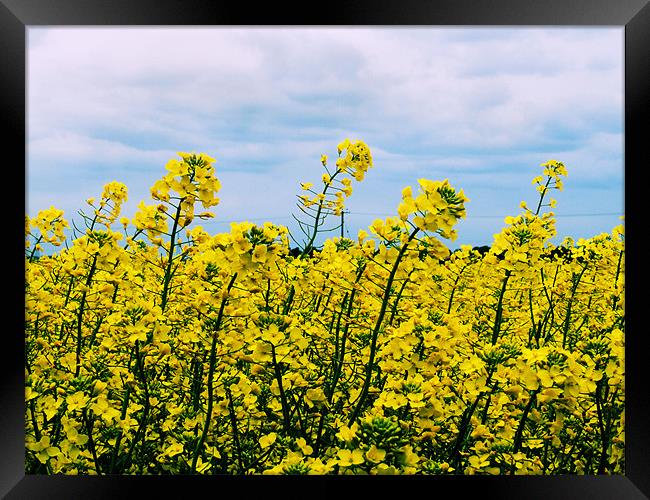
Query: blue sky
(483, 107)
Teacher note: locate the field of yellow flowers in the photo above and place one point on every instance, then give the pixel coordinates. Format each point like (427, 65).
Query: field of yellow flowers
(153, 347)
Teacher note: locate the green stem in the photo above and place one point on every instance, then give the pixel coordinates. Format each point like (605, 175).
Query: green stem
(31, 255)
(541, 198)
(463, 428)
(488, 400)
(289, 300)
(80, 313)
(283, 397)
(380, 318)
(533, 331)
(140, 433)
(499, 313)
(310, 244)
(91, 443)
(196, 368)
(567, 318)
(213, 356)
(37, 432)
(604, 438)
(453, 289)
(116, 449)
(618, 270)
(338, 361)
(170, 255)
(522, 422)
(399, 296)
(267, 295)
(235, 432)
(346, 327)
(338, 331)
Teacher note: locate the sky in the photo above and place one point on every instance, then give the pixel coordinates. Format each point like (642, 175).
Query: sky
(482, 107)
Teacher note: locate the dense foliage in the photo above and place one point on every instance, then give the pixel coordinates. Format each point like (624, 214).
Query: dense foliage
(153, 348)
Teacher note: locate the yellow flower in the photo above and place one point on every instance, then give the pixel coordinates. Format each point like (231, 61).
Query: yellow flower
(479, 462)
(259, 253)
(268, 440)
(44, 451)
(30, 394)
(158, 326)
(529, 379)
(76, 401)
(103, 408)
(304, 447)
(174, 449)
(375, 455)
(349, 458)
(347, 433)
(76, 438)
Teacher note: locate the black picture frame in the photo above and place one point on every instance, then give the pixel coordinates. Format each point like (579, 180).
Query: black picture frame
(17, 15)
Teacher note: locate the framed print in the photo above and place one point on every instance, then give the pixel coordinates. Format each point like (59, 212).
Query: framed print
(380, 246)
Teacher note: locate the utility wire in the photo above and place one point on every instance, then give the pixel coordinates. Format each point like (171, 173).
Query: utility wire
(264, 219)
(387, 214)
(498, 216)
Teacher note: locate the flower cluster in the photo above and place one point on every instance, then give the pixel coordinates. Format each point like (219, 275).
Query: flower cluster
(50, 225)
(316, 206)
(163, 349)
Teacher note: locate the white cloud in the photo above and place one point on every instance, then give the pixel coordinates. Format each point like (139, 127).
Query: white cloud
(266, 102)
(74, 147)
